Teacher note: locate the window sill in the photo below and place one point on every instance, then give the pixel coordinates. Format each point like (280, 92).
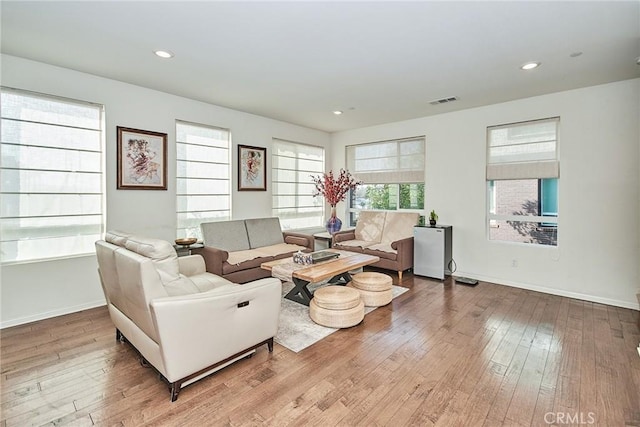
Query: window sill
(43, 260)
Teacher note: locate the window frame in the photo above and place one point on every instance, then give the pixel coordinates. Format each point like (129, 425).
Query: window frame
(523, 170)
(399, 174)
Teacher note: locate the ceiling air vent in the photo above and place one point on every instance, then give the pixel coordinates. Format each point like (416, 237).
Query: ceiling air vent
(444, 100)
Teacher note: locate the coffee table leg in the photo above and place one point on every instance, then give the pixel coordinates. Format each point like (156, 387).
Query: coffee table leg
(300, 293)
(335, 280)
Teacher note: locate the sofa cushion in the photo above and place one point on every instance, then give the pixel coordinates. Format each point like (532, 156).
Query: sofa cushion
(155, 249)
(207, 281)
(398, 226)
(247, 265)
(117, 237)
(370, 226)
(382, 250)
(279, 249)
(182, 285)
(165, 260)
(264, 232)
(356, 243)
(238, 257)
(226, 235)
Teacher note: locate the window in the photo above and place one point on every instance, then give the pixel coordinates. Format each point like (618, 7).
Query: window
(392, 173)
(292, 189)
(522, 182)
(203, 177)
(52, 176)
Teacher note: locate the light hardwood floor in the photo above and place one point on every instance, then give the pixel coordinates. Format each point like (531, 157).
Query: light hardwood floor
(440, 354)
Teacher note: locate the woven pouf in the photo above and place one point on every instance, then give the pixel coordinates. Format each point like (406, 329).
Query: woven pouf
(336, 307)
(375, 288)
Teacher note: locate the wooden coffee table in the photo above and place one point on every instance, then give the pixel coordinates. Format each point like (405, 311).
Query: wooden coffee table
(336, 270)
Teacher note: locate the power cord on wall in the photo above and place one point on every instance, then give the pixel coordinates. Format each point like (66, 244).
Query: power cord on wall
(452, 263)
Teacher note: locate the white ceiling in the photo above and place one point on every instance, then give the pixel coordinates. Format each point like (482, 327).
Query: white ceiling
(380, 62)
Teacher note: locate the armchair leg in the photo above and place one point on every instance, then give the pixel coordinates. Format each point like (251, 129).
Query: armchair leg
(174, 389)
(400, 276)
(270, 345)
(119, 336)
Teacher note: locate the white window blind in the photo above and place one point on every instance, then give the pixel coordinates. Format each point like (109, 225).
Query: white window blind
(523, 150)
(292, 188)
(203, 177)
(389, 162)
(52, 176)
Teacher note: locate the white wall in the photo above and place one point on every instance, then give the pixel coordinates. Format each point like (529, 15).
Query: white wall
(598, 253)
(33, 291)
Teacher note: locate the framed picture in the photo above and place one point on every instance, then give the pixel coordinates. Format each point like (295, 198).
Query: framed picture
(142, 159)
(252, 168)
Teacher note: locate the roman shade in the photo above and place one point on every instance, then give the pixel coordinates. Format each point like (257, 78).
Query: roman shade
(523, 150)
(292, 188)
(52, 176)
(390, 162)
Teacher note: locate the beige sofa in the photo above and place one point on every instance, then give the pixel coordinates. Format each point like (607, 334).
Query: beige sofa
(388, 235)
(235, 249)
(183, 321)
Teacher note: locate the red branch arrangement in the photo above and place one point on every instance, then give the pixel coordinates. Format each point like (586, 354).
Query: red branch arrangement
(334, 190)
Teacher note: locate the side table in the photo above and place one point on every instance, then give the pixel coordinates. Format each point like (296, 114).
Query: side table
(324, 237)
(183, 250)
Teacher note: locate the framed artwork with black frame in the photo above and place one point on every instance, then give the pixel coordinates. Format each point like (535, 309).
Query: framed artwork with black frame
(142, 159)
(252, 168)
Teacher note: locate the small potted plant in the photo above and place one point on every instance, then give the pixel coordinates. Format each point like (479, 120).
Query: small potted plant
(433, 218)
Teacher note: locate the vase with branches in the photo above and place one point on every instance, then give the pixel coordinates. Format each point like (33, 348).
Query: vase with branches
(334, 189)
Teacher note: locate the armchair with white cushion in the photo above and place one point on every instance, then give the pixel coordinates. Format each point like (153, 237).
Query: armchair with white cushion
(183, 321)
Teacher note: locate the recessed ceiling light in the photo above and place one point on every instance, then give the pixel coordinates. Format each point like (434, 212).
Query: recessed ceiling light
(337, 112)
(163, 54)
(530, 66)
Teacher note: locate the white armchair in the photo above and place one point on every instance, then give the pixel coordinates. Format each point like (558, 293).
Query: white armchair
(183, 321)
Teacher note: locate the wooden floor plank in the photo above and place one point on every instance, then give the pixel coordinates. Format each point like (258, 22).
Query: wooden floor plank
(440, 354)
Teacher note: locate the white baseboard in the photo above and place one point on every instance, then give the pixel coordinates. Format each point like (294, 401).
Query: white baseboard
(49, 314)
(575, 295)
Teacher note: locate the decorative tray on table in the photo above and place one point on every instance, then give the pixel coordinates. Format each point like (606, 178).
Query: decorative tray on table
(186, 241)
(323, 256)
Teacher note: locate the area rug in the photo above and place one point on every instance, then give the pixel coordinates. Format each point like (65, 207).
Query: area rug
(297, 331)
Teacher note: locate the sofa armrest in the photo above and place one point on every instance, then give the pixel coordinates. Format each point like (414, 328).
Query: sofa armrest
(342, 236)
(213, 258)
(301, 239)
(405, 252)
(198, 330)
(191, 265)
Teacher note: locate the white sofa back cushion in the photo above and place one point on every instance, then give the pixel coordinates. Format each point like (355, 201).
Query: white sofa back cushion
(264, 232)
(105, 251)
(165, 260)
(117, 237)
(229, 236)
(140, 284)
(398, 226)
(370, 226)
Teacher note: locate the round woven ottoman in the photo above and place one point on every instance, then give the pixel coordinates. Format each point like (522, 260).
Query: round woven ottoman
(374, 288)
(336, 307)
